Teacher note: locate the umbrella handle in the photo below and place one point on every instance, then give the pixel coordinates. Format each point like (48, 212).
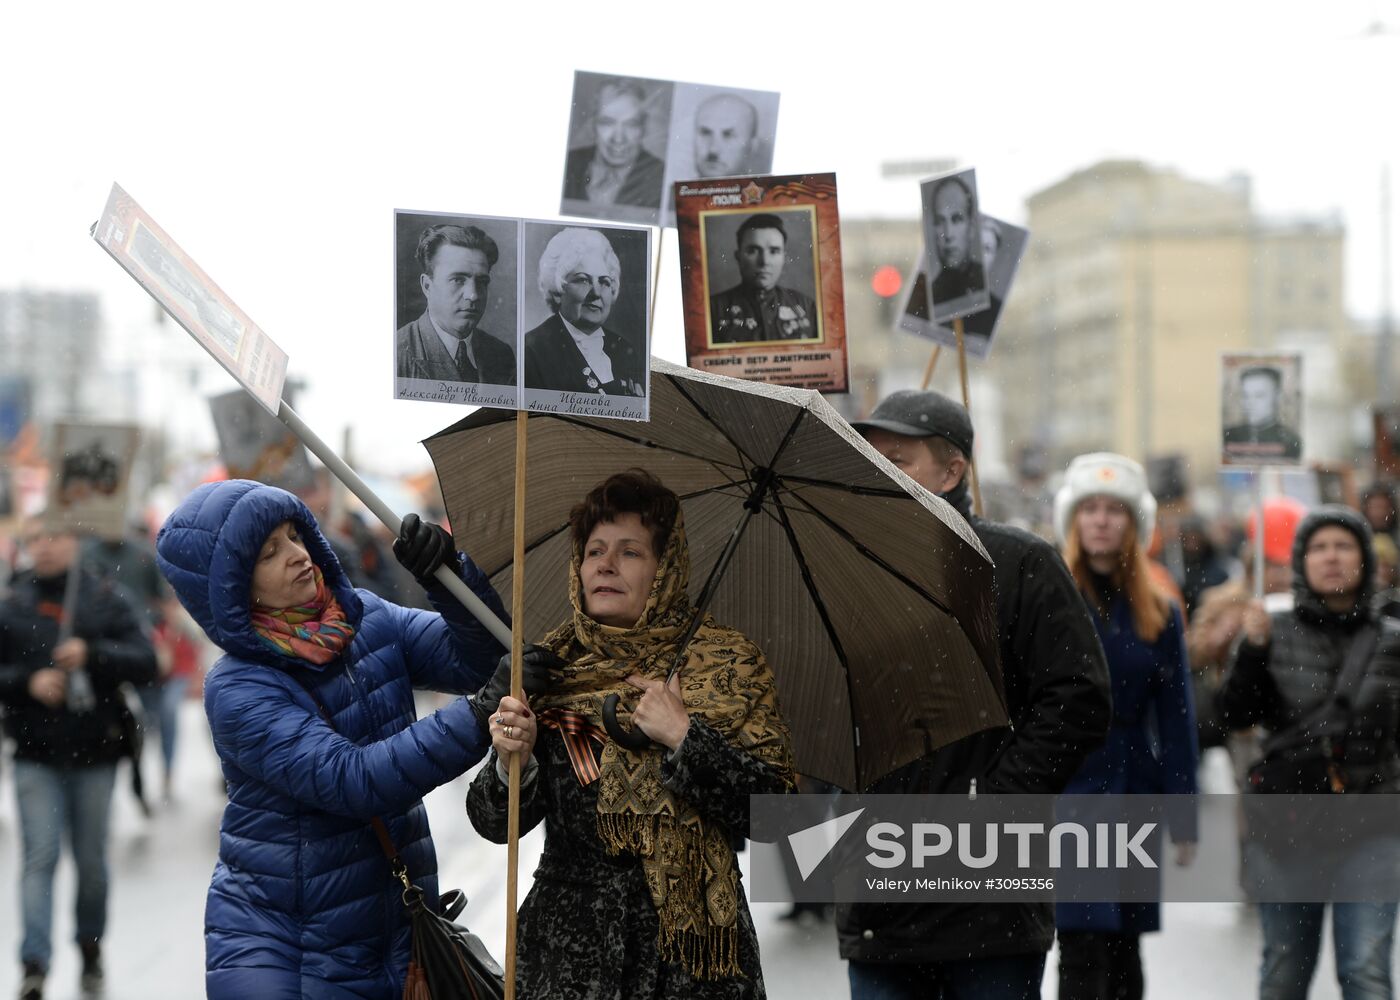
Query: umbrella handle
(633, 739)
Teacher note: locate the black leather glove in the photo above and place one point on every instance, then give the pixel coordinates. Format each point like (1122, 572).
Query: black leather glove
(539, 668)
(423, 546)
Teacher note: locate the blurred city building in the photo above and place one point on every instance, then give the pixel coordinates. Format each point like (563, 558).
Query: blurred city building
(1135, 280)
(50, 343)
(66, 357)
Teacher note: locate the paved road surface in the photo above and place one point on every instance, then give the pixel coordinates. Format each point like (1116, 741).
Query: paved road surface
(161, 870)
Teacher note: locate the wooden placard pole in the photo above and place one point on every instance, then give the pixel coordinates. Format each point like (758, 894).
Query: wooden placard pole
(932, 364)
(1259, 533)
(967, 403)
(655, 281)
(517, 690)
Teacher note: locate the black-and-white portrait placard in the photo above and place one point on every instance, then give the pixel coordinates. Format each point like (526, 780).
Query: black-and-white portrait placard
(1261, 408)
(750, 255)
(718, 132)
(522, 314)
(585, 346)
(456, 304)
(630, 138)
(253, 444)
(1003, 245)
(92, 463)
(953, 245)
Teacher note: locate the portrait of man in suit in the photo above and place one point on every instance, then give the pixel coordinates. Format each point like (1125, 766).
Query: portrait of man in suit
(957, 241)
(726, 134)
(446, 343)
(615, 169)
(573, 350)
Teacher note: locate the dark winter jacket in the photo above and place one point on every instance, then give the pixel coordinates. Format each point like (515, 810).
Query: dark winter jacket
(1150, 750)
(131, 564)
(302, 902)
(1279, 684)
(1058, 700)
(119, 649)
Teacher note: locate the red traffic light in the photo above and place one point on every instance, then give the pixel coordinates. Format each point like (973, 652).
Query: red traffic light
(886, 281)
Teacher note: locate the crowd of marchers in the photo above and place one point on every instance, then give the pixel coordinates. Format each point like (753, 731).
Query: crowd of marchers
(1126, 651)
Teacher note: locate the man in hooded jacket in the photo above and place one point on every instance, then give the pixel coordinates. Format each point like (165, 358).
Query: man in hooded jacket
(1057, 696)
(1286, 669)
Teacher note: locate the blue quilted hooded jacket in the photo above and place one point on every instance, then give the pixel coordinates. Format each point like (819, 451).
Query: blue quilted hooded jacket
(302, 903)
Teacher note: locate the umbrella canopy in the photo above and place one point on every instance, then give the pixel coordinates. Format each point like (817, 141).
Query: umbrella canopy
(871, 598)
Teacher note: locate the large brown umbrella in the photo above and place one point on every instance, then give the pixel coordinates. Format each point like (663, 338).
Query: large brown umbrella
(871, 598)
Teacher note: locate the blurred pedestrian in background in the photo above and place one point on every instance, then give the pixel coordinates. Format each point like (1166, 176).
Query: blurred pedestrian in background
(1202, 565)
(1219, 617)
(130, 563)
(63, 653)
(1056, 685)
(1102, 512)
(1285, 676)
(1378, 508)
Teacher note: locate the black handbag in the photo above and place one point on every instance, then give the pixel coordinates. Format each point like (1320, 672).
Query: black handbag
(1308, 757)
(448, 962)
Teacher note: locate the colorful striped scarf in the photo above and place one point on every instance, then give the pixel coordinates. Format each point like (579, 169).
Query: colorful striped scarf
(316, 631)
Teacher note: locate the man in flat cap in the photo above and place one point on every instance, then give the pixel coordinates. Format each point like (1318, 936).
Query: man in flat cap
(1057, 696)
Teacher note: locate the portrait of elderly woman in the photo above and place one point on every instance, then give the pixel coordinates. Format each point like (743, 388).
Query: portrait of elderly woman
(574, 350)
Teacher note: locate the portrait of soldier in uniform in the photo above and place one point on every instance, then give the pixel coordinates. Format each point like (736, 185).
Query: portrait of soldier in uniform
(760, 308)
(1263, 434)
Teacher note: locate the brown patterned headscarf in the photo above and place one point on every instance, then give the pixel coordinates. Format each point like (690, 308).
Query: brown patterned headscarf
(689, 864)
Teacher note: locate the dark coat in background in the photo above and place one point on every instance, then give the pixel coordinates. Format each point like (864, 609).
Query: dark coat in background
(119, 650)
(1279, 684)
(1150, 750)
(1057, 697)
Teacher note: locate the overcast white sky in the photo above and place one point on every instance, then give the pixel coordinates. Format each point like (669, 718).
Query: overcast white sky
(273, 140)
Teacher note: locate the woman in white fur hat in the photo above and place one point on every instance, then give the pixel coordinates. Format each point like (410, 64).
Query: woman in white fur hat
(1105, 516)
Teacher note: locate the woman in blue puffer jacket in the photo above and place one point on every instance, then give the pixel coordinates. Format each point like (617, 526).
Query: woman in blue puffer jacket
(302, 902)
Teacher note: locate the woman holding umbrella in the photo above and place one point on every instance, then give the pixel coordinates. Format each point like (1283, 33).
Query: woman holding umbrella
(311, 712)
(1104, 513)
(637, 892)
